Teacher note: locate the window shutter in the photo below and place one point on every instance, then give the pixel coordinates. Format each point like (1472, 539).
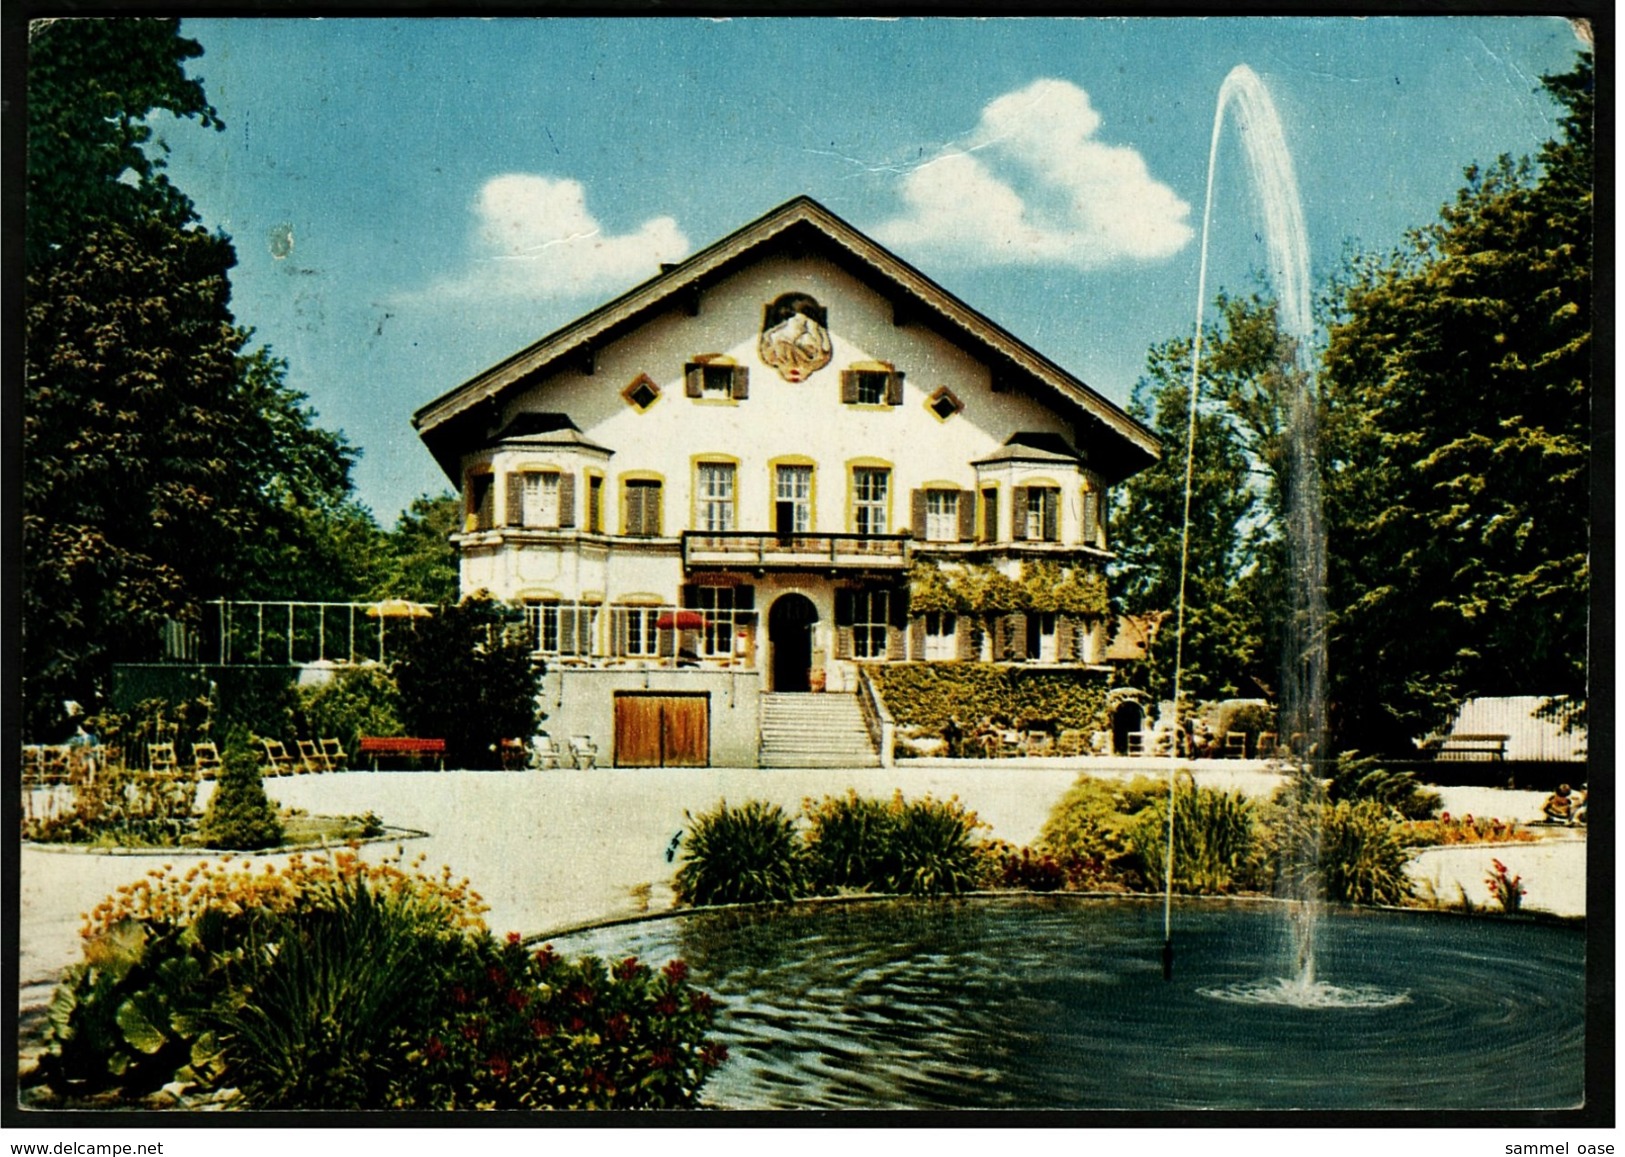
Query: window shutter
(666, 642)
(894, 388)
(917, 637)
(1091, 517)
(595, 505)
(965, 638)
(516, 499)
(1018, 513)
(917, 512)
(694, 380)
(849, 386)
(567, 499)
(1015, 635)
(896, 643)
(741, 383)
(967, 515)
(843, 624)
(990, 516)
(567, 630)
(618, 632)
(1052, 515)
(1066, 636)
(654, 510)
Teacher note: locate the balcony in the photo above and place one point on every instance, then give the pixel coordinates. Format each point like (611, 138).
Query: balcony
(753, 550)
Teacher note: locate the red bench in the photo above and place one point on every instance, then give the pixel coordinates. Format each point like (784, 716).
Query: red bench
(376, 747)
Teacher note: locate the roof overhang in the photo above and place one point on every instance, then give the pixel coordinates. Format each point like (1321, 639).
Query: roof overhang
(1120, 446)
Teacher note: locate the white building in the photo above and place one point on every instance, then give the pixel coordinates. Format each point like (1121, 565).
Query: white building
(733, 466)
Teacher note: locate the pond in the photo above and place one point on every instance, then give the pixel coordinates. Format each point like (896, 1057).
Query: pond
(1060, 1002)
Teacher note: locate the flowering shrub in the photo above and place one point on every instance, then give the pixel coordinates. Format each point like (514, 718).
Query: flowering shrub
(1026, 870)
(1507, 890)
(1467, 830)
(529, 1030)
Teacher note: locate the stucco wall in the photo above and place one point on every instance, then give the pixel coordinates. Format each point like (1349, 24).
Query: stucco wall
(581, 701)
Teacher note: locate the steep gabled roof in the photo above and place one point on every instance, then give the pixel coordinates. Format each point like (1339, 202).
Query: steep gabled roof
(1120, 446)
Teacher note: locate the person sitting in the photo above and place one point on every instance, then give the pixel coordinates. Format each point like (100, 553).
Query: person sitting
(1559, 806)
(952, 733)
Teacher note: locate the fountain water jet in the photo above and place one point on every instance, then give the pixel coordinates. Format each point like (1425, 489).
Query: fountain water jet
(1303, 685)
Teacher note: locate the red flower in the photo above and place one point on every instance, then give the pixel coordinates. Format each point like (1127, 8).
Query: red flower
(497, 976)
(546, 957)
(542, 1028)
(500, 1068)
(459, 994)
(702, 1002)
(628, 968)
(514, 938)
(576, 1024)
(583, 996)
(676, 971)
(713, 1055)
(617, 1026)
(661, 1058)
(666, 1006)
(434, 1050)
(518, 1000)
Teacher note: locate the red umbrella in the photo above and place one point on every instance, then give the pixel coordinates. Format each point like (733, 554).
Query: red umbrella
(680, 621)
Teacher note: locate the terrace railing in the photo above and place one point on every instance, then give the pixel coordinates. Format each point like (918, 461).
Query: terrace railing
(756, 550)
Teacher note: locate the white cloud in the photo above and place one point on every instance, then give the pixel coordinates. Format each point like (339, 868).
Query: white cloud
(1033, 187)
(534, 237)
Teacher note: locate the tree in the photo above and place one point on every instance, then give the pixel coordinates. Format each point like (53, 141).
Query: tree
(240, 816)
(1232, 589)
(1462, 366)
(421, 563)
(164, 463)
(466, 675)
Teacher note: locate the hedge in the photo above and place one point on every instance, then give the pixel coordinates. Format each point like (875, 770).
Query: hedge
(925, 695)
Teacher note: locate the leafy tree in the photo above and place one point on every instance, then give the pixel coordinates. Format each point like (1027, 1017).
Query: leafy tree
(1232, 595)
(420, 563)
(466, 675)
(165, 464)
(1462, 366)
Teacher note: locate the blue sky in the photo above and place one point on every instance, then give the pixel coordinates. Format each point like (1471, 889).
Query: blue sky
(414, 200)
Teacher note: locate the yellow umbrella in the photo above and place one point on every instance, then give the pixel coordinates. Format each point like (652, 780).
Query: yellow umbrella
(399, 609)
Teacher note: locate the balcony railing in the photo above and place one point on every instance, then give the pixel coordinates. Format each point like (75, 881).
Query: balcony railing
(747, 548)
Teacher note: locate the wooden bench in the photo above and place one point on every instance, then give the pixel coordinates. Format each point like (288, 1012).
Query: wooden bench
(1470, 748)
(376, 747)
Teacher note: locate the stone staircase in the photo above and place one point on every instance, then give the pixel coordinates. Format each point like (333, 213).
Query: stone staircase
(815, 730)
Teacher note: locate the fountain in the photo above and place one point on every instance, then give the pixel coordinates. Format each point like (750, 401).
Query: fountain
(1303, 683)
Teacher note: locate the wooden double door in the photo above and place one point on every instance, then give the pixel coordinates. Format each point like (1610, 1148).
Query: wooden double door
(662, 730)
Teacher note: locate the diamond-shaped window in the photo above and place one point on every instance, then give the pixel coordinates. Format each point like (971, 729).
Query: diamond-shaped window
(944, 404)
(642, 393)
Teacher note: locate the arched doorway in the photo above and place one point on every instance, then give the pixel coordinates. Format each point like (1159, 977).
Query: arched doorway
(1128, 718)
(790, 631)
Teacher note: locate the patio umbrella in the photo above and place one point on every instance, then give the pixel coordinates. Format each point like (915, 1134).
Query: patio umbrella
(398, 609)
(680, 621)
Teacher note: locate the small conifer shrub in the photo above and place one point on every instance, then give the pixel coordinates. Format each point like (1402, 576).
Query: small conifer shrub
(240, 816)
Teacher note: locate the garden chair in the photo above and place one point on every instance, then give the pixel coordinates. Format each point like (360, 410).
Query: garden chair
(545, 753)
(584, 752)
(206, 758)
(277, 759)
(1072, 743)
(310, 757)
(1266, 744)
(1136, 743)
(1235, 745)
(333, 751)
(161, 758)
(1039, 744)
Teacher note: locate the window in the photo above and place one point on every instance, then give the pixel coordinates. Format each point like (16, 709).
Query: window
(941, 635)
(641, 393)
(561, 628)
(1041, 637)
(716, 380)
(944, 403)
(716, 497)
(869, 499)
(872, 384)
(1043, 514)
(719, 606)
(481, 502)
(638, 634)
(595, 504)
(538, 499)
(792, 495)
(642, 508)
(869, 619)
(942, 515)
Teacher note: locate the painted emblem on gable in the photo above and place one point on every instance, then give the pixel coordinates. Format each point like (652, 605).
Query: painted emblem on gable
(795, 340)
